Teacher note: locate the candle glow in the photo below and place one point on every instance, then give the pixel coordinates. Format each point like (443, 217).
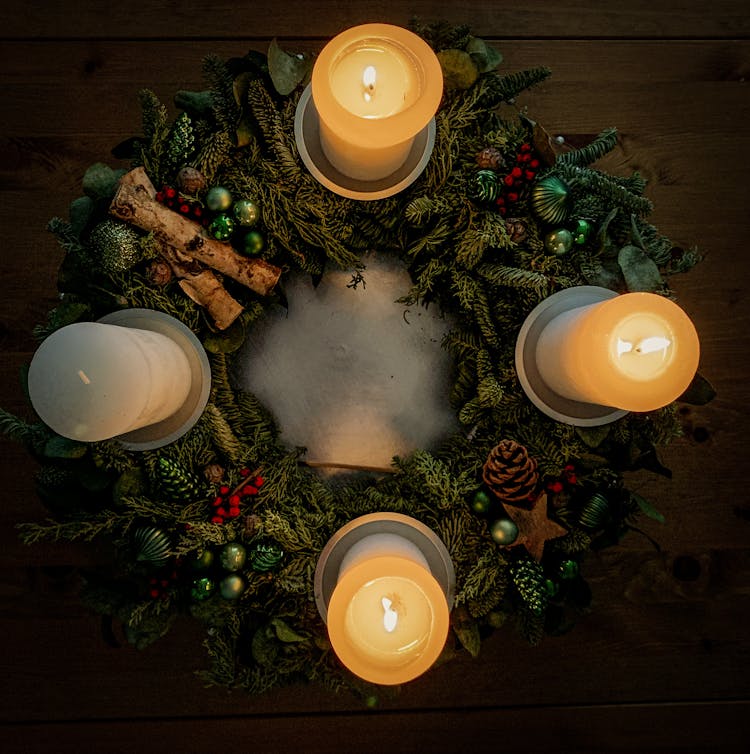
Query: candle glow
(375, 87)
(636, 352)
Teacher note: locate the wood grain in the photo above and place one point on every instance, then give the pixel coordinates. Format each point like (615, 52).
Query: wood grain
(661, 664)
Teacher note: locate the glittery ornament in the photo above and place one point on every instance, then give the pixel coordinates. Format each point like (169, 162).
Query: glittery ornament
(117, 245)
(253, 243)
(582, 232)
(232, 556)
(221, 227)
(202, 588)
(232, 587)
(504, 531)
(246, 212)
(550, 198)
(218, 199)
(558, 242)
(486, 185)
(152, 545)
(265, 556)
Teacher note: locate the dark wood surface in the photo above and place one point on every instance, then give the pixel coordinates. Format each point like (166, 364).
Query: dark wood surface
(661, 664)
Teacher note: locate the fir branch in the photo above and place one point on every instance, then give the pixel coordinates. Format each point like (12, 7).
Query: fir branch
(56, 531)
(221, 83)
(496, 88)
(18, 430)
(605, 142)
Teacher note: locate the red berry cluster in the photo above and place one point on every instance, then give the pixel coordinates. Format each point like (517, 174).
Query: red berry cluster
(567, 478)
(226, 505)
(193, 210)
(518, 179)
(159, 586)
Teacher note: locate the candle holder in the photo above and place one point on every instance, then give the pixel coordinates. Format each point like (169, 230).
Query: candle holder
(556, 406)
(429, 544)
(307, 136)
(175, 426)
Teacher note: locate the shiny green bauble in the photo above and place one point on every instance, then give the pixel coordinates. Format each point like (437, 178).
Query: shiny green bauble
(487, 185)
(202, 561)
(481, 502)
(253, 243)
(222, 227)
(202, 588)
(595, 512)
(152, 546)
(232, 587)
(551, 587)
(582, 232)
(558, 242)
(218, 199)
(232, 556)
(504, 531)
(246, 212)
(550, 198)
(568, 570)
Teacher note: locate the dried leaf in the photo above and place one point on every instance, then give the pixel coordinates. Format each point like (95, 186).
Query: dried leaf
(285, 633)
(593, 436)
(699, 392)
(287, 71)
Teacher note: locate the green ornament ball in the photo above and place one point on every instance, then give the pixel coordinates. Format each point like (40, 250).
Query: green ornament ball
(218, 199)
(582, 232)
(253, 243)
(552, 587)
(568, 569)
(232, 587)
(232, 556)
(481, 502)
(486, 185)
(152, 546)
(202, 561)
(202, 588)
(558, 242)
(221, 227)
(504, 531)
(550, 198)
(246, 212)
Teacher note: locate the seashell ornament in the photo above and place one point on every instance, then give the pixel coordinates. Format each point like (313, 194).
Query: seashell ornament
(550, 198)
(152, 546)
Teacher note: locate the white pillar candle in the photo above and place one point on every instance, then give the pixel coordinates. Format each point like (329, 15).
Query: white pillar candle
(375, 87)
(91, 381)
(388, 616)
(637, 352)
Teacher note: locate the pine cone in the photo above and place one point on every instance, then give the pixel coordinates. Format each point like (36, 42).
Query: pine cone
(158, 273)
(511, 474)
(214, 473)
(516, 229)
(489, 157)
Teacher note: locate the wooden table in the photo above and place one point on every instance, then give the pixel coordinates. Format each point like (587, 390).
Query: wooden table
(663, 662)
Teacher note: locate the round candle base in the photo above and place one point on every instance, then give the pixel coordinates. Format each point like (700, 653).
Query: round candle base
(546, 400)
(307, 136)
(433, 549)
(173, 427)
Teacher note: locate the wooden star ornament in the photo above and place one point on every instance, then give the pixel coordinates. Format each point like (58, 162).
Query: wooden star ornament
(534, 526)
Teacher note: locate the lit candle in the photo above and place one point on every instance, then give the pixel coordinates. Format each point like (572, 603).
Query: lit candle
(375, 87)
(637, 352)
(388, 615)
(91, 381)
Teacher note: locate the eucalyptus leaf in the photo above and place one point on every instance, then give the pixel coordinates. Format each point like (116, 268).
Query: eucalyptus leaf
(459, 70)
(240, 86)
(699, 392)
(264, 646)
(635, 233)
(130, 484)
(244, 132)
(639, 270)
(593, 437)
(62, 447)
(80, 212)
(287, 71)
(100, 181)
(198, 104)
(485, 57)
(647, 508)
(467, 631)
(285, 633)
(227, 341)
(606, 274)
(607, 247)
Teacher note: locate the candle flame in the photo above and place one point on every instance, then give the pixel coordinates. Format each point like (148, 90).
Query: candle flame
(369, 76)
(647, 345)
(84, 378)
(390, 617)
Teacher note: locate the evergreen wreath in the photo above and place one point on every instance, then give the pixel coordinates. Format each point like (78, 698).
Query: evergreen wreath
(227, 523)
